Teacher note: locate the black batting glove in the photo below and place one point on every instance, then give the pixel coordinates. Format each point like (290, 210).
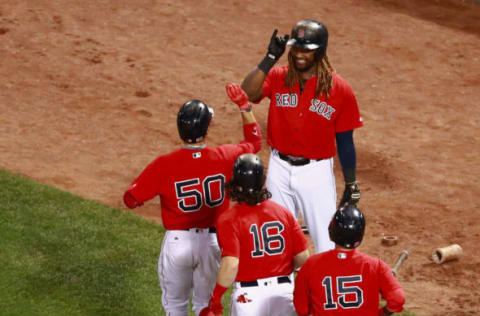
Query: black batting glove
(277, 45)
(351, 194)
(276, 48)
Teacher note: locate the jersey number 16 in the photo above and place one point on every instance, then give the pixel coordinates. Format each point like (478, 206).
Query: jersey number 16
(269, 236)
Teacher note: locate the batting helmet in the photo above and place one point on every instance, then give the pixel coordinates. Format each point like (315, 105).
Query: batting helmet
(310, 34)
(193, 120)
(347, 227)
(248, 173)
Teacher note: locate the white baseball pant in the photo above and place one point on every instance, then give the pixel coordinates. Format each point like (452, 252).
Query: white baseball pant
(189, 259)
(269, 297)
(308, 190)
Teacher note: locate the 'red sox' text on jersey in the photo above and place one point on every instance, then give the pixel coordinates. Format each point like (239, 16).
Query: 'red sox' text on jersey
(264, 237)
(346, 283)
(190, 181)
(299, 123)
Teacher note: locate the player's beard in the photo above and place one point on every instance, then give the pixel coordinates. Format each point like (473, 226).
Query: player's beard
(302, 64)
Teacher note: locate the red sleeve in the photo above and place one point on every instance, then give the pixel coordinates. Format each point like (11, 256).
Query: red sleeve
(300, 242)
(146, 186)
(301, 292)
(253, 136)
(251, 144)
(390, 289)
(227, 236)
(349, 116)
(130, 200)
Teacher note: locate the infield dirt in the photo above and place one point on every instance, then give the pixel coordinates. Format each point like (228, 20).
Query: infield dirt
(90, 92)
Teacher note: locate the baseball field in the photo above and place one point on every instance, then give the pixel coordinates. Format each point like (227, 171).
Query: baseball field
(90, 92)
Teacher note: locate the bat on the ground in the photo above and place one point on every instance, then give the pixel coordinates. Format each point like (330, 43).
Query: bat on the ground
(403, 256)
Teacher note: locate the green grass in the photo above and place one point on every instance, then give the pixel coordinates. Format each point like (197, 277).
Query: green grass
(64, 255)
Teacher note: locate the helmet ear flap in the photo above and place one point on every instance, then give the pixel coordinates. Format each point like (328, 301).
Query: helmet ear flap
(319, 53)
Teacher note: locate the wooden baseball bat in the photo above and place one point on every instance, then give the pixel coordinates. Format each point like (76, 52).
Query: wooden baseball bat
(403, 256)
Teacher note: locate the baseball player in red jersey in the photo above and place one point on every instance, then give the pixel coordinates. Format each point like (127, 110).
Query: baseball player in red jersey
(312, 108)
(345, 281)
(190, 183)
(262, 243)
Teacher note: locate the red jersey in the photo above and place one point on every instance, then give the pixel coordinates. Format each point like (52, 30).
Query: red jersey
(345, 283)
(264, 237)
(300, 124)
(190, 181)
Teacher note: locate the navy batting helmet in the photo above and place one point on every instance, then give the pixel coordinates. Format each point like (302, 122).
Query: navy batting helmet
(310, 34)
(193, 120)
(347, 227)
(248, 173)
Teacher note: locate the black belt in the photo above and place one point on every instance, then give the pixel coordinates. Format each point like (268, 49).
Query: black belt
(281, 279)
(211, 230)
(294, 161)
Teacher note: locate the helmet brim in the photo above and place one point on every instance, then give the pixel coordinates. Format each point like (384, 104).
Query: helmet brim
(310, 46)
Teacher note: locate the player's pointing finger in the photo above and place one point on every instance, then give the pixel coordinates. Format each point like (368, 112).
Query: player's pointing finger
(274, 34)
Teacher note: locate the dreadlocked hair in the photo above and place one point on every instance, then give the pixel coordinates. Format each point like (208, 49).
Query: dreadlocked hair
(323, 72)
(252, 198)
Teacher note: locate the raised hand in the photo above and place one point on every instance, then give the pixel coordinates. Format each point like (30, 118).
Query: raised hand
(238, 96)
(277, 45)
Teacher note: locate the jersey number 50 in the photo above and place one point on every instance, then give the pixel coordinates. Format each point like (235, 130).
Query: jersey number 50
(191, 200)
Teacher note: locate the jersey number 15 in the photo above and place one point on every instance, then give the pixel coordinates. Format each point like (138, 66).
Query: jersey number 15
(343, 289)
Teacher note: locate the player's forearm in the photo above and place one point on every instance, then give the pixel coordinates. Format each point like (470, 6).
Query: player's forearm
(300, 258)
(347, 155)
(248, 118)
(253, 135)
(252, 84)
(228, 271)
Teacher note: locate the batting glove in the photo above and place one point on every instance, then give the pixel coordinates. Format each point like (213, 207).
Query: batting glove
(237, 95)
(215, 307)
(277, 45)
(276, 48)
(351, 194)
(207, 312)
